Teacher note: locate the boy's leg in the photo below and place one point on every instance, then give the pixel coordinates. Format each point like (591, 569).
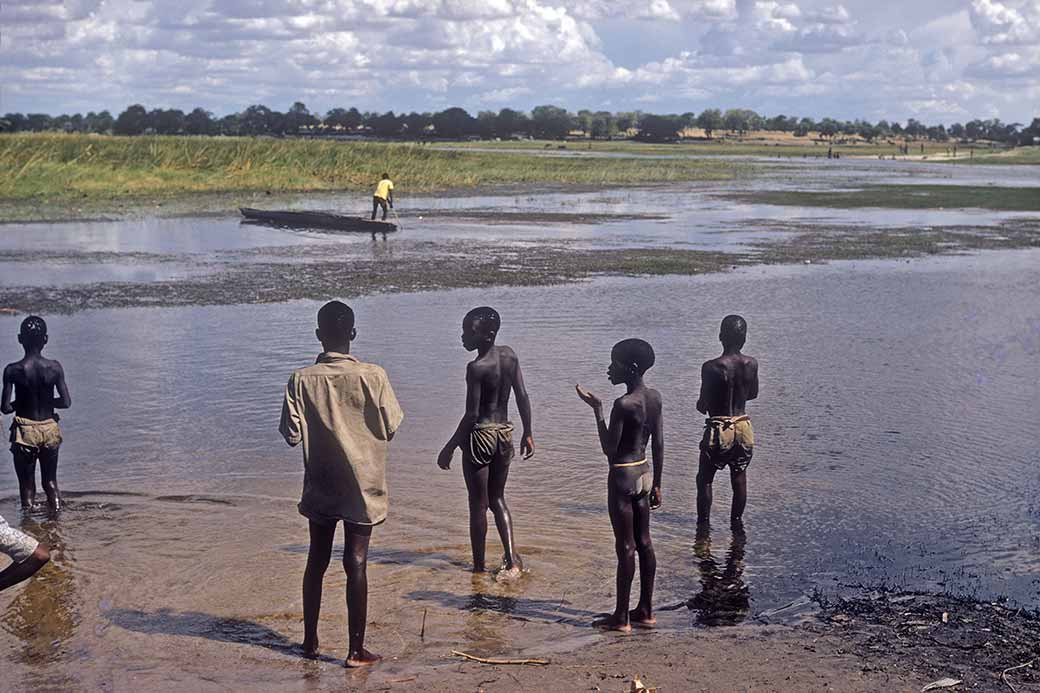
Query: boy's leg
(643, 613)
(385, 207)
(49, 476)
(355, 563)
(621, 520)
(318, 558)
(705, 475)
(739, 482)
(477, 488)
(496, 486)
(25, 468)
(375, 207)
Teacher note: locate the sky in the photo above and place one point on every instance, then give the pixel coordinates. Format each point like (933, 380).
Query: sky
(935, 60)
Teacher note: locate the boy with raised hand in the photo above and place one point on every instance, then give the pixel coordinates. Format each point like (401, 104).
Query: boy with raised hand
(632, 489)
(27, 555)
(34, 433)
(345, 413)
(486, 435)
(727, 383)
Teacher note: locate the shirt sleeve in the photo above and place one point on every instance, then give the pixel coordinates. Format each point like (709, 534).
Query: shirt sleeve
(389, 185)
(389, 407)
(290, 426)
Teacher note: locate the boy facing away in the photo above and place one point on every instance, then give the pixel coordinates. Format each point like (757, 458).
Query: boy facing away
(383, 195)
(34, 433)
(632, 490)
(486, 435)
(345, 413)
(727, 383)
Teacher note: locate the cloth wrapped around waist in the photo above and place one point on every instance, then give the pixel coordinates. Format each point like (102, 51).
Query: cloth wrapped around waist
(488, 441)
(723, 433)
(34, 434)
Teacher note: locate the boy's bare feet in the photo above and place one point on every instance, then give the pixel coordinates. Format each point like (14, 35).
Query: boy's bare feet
(311, 650)
(641, 618)
(612, 622)
(363, 658)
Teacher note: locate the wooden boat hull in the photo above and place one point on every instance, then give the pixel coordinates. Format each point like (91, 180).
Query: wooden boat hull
(316, 220)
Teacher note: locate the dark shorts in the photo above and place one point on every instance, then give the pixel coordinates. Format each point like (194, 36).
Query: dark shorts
(489, 444)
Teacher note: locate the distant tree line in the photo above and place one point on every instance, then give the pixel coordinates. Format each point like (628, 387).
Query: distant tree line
(543, 122)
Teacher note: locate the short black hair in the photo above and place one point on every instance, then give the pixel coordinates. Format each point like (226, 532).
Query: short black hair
(488, 319)
(336, 320)
(635, 353)
(386, 175)
(33, 330)
(733, 330)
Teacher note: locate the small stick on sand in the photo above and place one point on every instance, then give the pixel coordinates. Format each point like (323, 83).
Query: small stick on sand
(422, 631)
(482, 660)
(1003, 674)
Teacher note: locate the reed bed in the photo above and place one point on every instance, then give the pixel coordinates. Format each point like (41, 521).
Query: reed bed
(77, 166)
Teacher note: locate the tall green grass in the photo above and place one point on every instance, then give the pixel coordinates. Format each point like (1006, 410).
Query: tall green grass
(59, 166)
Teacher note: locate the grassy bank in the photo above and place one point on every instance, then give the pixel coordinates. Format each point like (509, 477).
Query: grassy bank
(1018, 156)
(903, 197)
(48, 166)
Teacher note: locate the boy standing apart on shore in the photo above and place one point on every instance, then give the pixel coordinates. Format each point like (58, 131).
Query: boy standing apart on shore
(727, 383)
(632, 490)
(34, 433)
(486, 435)
(345, 413)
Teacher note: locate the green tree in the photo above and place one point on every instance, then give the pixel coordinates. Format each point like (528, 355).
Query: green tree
(454, 123)
(710, 120)
(199, 122)
(132, 121)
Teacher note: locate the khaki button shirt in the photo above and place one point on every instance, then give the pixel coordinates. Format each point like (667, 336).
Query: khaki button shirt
(344, 412)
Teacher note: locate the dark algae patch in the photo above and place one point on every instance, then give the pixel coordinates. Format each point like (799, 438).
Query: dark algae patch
(902, 197)
(271, 275)
(941, 636)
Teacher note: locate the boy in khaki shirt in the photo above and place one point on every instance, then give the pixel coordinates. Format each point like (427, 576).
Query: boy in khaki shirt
(344, 412)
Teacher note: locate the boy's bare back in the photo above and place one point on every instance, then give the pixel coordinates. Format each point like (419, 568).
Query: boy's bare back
(727, 383)
(34, 380)
(640, 412)
(496, 372)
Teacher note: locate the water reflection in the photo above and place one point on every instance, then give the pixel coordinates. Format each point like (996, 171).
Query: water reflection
(45, 614)
(724, 599)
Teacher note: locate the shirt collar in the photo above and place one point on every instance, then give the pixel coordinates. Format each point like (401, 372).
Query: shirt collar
(334, 357)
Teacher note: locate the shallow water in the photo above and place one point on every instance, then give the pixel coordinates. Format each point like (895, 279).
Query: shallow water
(896, 447)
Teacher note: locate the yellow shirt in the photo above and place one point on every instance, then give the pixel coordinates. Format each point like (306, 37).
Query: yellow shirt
(344, 412)
(384, 188)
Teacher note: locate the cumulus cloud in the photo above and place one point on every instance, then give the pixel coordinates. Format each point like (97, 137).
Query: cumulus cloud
(852, 58)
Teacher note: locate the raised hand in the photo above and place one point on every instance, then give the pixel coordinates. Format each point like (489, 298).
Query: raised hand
(588, 398)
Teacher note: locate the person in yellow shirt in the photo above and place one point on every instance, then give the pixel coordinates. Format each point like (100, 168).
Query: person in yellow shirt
(383, 195)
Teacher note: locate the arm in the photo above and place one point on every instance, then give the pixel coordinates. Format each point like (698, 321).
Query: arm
(609, 436)
(657, 450)
(5, 399)
(523, 405)
(64, 399)
(702, 401)
(753, 377)
(470, 417)
(290, 426)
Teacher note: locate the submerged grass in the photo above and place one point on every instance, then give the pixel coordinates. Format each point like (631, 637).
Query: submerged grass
(903, 197)
(42, 166)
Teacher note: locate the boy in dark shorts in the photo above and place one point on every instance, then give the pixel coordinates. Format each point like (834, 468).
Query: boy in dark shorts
(345, 413)
(632, 489)
(486, 436)
(34, 433)
(727, 383)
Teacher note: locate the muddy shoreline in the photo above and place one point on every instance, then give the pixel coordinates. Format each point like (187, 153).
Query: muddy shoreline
(278, 274)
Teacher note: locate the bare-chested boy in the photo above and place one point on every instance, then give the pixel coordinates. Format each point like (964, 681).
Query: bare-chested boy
(632, 490)
(35, 434)
(345, 413)
(727, 383)
(486, 435)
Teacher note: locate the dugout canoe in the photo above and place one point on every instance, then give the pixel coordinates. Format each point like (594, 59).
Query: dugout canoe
(317, 220)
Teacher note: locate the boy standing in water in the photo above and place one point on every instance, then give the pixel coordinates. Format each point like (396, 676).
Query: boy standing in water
(727, 383)
(632, 490)
(345, 413)
(35, 434)
(383, 195)
(486, 436)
